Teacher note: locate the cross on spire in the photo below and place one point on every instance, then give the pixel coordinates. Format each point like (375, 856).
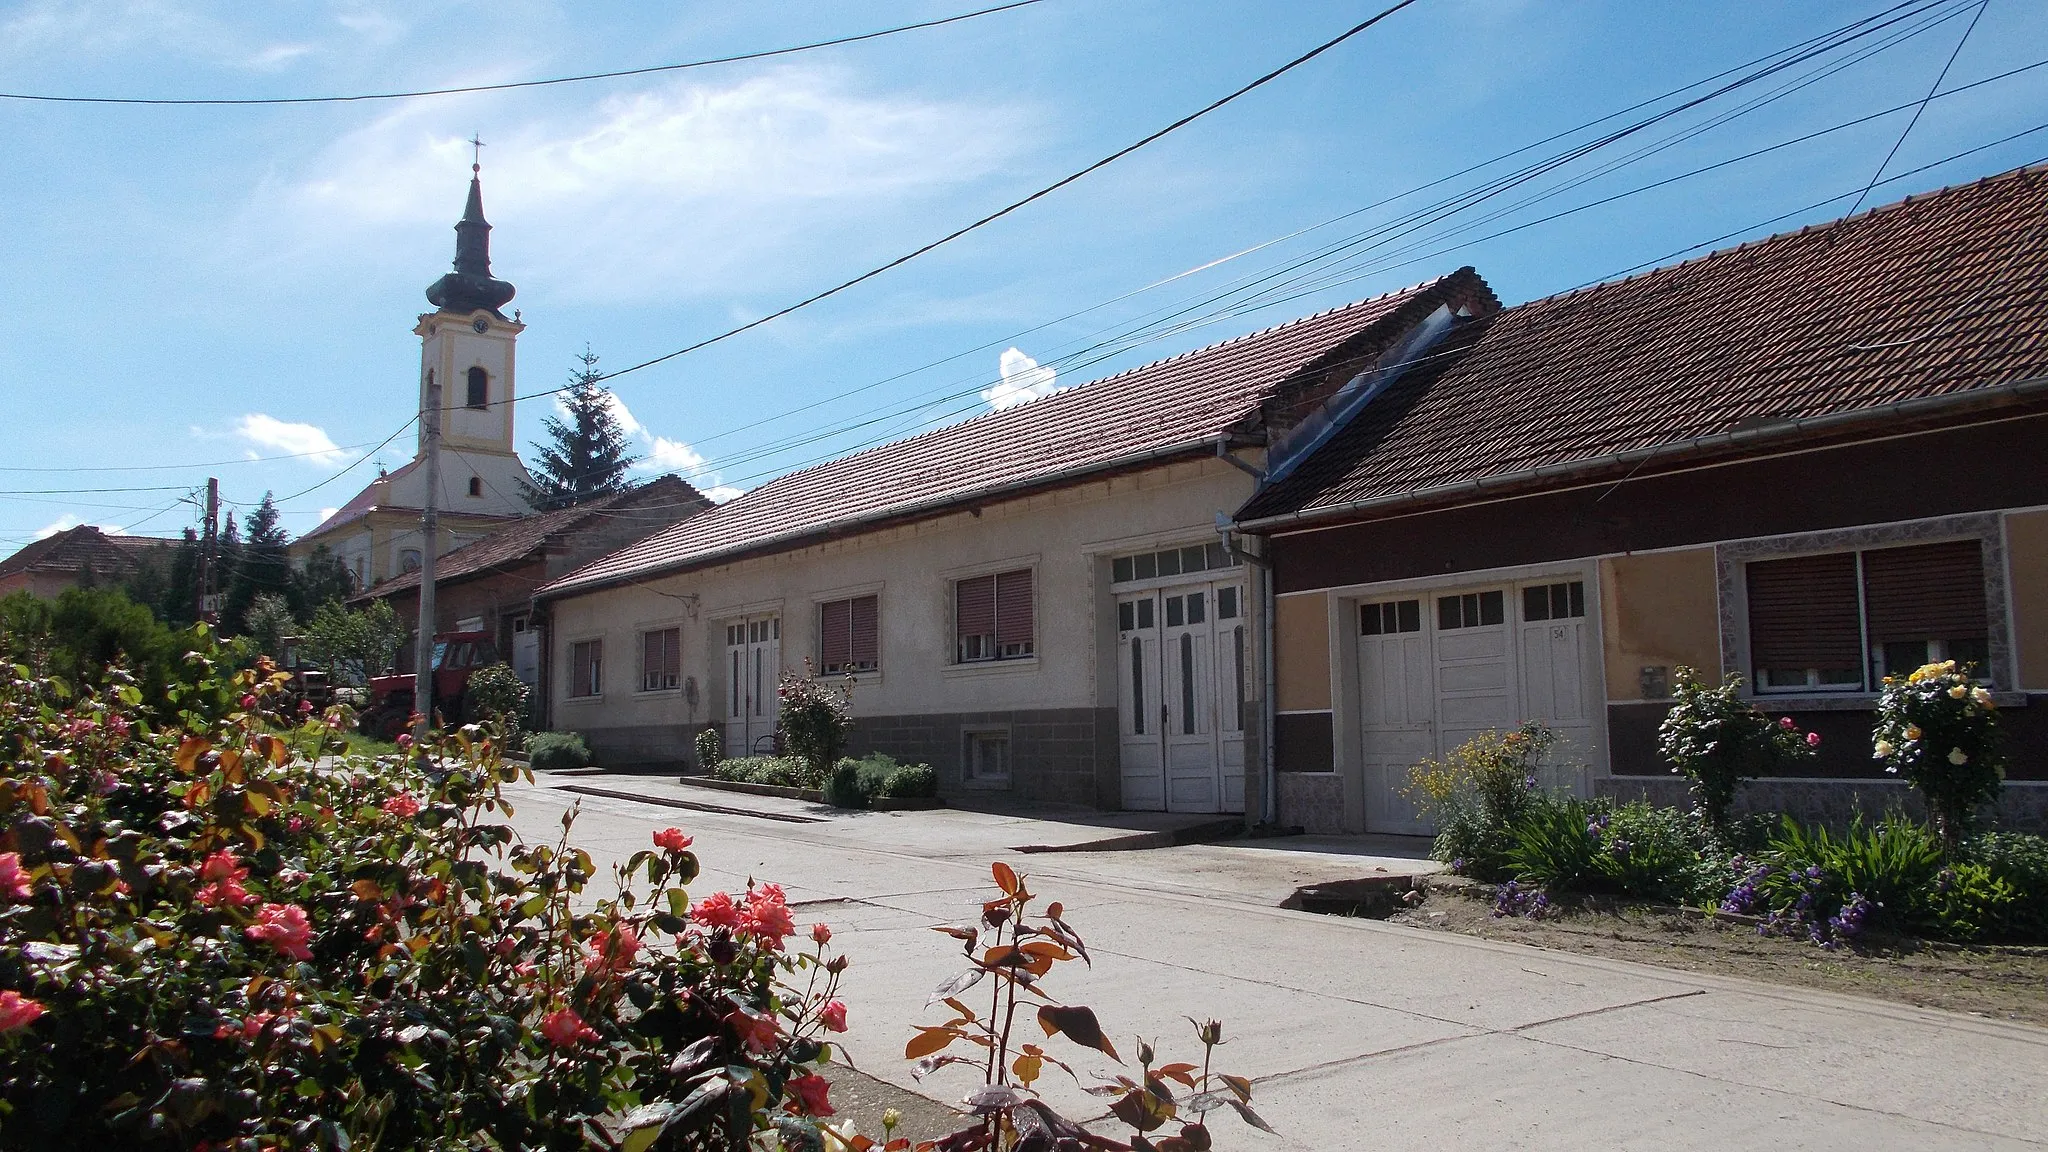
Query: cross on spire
(476, 156)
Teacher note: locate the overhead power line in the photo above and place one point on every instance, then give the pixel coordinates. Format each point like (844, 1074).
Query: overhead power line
(512, 84)
(1931, 90)
(999, 213)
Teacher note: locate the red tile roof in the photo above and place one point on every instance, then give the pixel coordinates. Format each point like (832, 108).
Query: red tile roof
(75, 549)
(1935, 295)
(1175, 406)
(362, 503)
(527, 535)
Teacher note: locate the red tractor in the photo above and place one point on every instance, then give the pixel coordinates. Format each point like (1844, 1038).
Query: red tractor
(456, 655)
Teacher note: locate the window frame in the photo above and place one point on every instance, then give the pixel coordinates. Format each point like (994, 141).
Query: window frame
(970, 737)
(851, 667)
(996, 653)
(570, 685)
(1732, 559)
(477, 389)
(670, 655)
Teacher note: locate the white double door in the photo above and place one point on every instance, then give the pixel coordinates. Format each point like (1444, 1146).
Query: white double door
(1438, 668)
(1181, 659)
(753, 666)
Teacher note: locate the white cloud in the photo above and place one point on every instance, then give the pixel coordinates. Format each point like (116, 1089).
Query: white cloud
(1022, 379)
(290, 439)
(276, 56)
(684, 187)
(68, 521)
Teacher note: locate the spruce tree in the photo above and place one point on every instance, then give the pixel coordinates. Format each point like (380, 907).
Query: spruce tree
(260, 566)
(586, 454)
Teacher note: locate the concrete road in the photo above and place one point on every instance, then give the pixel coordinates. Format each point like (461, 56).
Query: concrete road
(1358, 1034)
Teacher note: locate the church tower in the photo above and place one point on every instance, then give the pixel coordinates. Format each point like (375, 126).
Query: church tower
(468, 344)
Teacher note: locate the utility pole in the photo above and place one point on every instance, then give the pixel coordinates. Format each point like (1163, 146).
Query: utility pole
(209, 552)
(430, 529)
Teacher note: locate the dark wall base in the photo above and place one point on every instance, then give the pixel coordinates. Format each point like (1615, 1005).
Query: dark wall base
(2021, 807)
(1844, 741)
(1303, 742)
(1057, 755)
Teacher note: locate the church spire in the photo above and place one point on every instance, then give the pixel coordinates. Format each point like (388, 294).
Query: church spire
(471, 286)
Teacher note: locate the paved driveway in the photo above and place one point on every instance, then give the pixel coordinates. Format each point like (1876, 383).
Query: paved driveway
(1361, 1034)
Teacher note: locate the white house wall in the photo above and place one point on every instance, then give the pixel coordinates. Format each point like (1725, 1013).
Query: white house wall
(1059, 706)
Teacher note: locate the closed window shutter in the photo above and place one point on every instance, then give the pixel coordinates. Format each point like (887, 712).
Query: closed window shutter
(1803, 614)
(1013, 608)
(672, 658)
(650, 661)
(1926, 592)
(975, 607)
(832, 628)
(864, 643)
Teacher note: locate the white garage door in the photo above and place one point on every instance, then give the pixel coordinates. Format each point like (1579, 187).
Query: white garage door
(1438, 668)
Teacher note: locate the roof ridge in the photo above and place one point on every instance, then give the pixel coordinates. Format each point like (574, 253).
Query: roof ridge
(1828, 225)
(1100, 380)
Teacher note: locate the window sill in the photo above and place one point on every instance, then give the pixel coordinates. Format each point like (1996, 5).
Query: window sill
(597, 699)
(646, 693)
(1849, 701)
(1019, 665)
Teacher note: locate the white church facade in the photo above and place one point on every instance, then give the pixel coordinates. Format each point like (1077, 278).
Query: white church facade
(469, 346)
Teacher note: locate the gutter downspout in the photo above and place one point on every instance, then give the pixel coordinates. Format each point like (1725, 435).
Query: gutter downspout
(1269, 706)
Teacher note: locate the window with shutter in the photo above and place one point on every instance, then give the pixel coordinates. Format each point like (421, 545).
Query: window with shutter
(661, 660)
(1844, 620)
(1805, 629)
(993, 617)
(586, 668)
(848, 635)
(1924, 604)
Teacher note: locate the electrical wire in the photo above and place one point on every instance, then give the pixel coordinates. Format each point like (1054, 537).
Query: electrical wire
(1931, 89)
(510, 85)
(999, 213)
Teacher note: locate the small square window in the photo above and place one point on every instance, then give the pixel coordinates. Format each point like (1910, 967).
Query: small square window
(1126, 616)
(1120, 570)
(1217, 557)
(1197, 608)
(1169, 562)
(986, 759)
(1226, 603)
(476, 485)
(1145, 615)
(1147, 565)
(1176, 612)
(1193, 558)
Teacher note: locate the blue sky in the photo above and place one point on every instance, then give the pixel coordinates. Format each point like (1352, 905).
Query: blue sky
(183, 289)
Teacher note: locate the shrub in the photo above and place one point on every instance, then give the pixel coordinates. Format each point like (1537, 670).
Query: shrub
(779, 771)
(81, 636)
(844, 789)
(1827, 887)
(1968, 902)
(910, 782)
(1553, 844)
(1015, 948)
(813, 721)
(1938, 728)
(1477, 793)
(207, 943)
(1716, 739)
(857, 783)
(556, 751)
(710, 748)
(497, 694)
(2020, 861)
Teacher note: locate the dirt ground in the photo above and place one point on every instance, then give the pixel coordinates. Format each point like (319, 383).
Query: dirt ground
(2003, 983)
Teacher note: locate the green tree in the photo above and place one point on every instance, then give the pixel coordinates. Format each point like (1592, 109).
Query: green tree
(167, 581)
(587, 453)
(81, 635)
(355, 645)
(269, 620)
(260, 566)
(324, 577)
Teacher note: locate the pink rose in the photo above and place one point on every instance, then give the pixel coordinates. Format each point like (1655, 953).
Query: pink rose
(224, 876)
(769, 921)
(716, 911)
(1786, 723)
(672, 840)
(614, 950)
(404, 806)
(757, 1032)
(14, 881)
(1813, 739)
(808, 1094)
(248, 701)
(565, 1029)
(17, 1011)
(305, 707)
(254, 1024)
(834, 1016)
(283, 927)
(405, 739)
(295, 824)
(821, 935)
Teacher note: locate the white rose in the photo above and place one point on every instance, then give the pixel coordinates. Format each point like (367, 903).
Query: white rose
(1884, 749)
(1959, 691)
(1981, 696)
(1958, 757)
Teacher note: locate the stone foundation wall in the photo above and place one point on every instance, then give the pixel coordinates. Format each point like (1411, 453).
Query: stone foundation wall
(1311, 801)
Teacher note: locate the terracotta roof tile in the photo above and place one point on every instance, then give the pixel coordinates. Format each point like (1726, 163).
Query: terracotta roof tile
(1176, 404)
(528, 534)
(1936, 294)
(74, 549)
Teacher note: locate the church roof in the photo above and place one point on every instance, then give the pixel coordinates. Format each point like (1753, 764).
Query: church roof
(471, 287)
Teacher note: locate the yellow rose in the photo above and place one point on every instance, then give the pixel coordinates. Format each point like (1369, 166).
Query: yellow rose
(1912, 731)
(1959, 691)
(1885, 748)
(1958, 757)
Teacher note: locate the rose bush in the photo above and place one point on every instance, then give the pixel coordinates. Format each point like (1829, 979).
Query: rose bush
(216, 933)
(1938, 729)
(1716, 739)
